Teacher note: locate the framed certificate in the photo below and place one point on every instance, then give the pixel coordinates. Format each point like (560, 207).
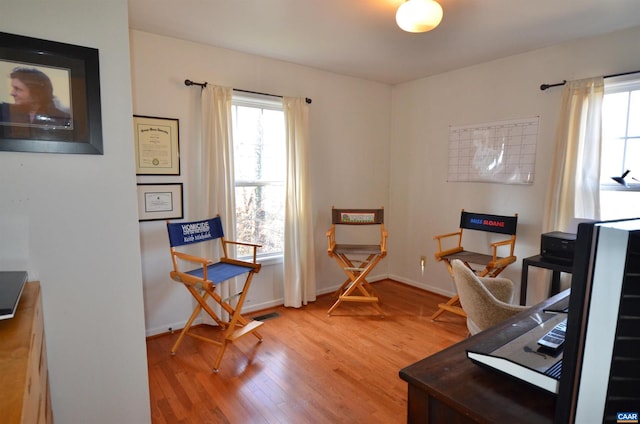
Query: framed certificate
(159, 201)
(156, 145)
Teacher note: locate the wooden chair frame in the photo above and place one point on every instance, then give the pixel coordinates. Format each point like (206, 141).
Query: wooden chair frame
(202, 280)
(356, 288)
(492, 264)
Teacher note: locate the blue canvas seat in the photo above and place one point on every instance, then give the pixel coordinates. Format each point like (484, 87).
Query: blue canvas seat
(202, 280)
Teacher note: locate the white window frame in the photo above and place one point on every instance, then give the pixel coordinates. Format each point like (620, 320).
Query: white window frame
(617, 85)
(261, 101)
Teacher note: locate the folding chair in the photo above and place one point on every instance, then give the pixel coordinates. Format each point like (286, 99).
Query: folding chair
(201, 281)
(490, 264)
(357, 260)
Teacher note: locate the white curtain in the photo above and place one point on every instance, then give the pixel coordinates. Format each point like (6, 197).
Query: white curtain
(574, 186)
(299, 262)
(214, 182)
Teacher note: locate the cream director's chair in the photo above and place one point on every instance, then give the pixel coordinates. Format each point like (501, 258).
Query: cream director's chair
(490, 264)
(357, 260)
(201, 281)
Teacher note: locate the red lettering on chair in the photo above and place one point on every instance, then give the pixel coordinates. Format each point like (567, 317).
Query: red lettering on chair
(494, 223)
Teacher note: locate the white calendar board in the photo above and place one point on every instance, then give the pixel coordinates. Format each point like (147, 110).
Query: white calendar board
(498, 152)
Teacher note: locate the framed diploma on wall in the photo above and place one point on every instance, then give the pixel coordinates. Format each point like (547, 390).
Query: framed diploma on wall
(159, 201)
(156, 145)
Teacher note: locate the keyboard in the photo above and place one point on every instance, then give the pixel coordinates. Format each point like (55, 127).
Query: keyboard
(554, 339)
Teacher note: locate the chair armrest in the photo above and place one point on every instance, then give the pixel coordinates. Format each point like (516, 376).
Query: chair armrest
(383, 240)
(495, 245)
(256, 266)
(440, 253)
(192, 258)
(243, 243)
(331, 239)
(502, 243)
(441, 236)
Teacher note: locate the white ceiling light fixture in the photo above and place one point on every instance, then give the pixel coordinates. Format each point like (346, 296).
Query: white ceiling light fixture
(419, 15)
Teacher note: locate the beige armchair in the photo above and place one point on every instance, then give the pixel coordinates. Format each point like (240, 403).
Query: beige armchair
(486, 301)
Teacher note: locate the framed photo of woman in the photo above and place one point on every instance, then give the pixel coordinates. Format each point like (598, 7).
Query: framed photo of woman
(49, 97)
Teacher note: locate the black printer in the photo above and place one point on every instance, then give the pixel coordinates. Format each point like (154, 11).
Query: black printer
(557, 246)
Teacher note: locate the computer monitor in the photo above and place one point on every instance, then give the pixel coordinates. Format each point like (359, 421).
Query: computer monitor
(601, 363)
(11, 286)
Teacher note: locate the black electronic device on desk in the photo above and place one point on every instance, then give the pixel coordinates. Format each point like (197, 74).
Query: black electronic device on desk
(11, 286)
(523, 352)
(557, 246)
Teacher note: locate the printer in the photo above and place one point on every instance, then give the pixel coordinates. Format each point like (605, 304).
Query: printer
(557, 246)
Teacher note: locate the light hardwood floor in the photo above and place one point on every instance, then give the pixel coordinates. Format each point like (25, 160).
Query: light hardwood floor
(310, 368)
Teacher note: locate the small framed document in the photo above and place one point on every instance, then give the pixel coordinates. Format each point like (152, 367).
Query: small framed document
(156, 145)
(159, 201)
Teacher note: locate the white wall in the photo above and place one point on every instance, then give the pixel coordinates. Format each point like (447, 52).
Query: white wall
(374, 145)
(423, 203)
(76, 229)
(350, 132)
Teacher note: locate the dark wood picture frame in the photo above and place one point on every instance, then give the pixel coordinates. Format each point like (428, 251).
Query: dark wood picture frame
(71, 70)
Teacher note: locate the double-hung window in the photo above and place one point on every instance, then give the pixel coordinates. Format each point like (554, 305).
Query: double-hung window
(259, 156)
(620, 148)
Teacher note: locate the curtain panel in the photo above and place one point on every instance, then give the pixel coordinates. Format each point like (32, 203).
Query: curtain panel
(299, 259)
(574, 184)
(214, 182)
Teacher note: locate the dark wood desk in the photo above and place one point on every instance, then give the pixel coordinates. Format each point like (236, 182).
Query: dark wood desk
(538, 261)
(448, 388)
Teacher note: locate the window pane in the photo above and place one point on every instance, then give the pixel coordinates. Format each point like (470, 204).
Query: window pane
(246, 143)
(632, 158)
(620, 151)
(634, 115)
(611, 160)
(614, 115)
(274, 152)
(260, 217)
(259, 149)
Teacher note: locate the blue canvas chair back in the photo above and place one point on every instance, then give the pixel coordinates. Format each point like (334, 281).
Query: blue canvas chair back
(183, 233)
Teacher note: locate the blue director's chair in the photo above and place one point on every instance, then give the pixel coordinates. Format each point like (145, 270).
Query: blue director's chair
(202, 280)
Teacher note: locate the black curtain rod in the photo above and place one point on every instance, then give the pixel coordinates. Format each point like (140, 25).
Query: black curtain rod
(545, 86)
(188, 83)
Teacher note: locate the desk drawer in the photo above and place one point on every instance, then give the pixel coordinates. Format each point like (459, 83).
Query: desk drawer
(23, 361)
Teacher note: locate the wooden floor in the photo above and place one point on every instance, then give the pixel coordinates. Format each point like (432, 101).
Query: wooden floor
(310, 368)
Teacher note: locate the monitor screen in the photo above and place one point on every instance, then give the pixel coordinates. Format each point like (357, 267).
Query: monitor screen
(11, 286)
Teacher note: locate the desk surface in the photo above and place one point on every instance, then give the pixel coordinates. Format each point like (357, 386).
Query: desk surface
(475, 393)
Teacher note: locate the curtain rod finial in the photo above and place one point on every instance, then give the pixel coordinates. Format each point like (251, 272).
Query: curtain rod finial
(188, 83)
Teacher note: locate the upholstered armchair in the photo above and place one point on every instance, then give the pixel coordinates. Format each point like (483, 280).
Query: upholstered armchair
(486, 301)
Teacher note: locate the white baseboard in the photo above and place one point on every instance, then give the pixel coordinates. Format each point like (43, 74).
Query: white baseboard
(421, 286)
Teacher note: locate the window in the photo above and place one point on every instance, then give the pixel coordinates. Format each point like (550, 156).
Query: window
(259, 156)
(620, 148)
